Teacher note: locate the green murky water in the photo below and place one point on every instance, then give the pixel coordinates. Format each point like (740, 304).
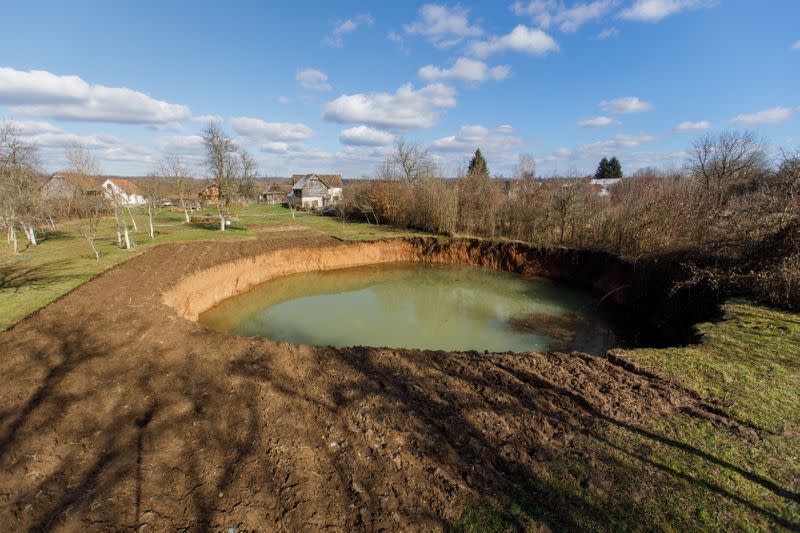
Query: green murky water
(412, 305)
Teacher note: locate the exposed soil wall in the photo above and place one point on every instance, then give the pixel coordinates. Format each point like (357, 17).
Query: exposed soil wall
(646, 290)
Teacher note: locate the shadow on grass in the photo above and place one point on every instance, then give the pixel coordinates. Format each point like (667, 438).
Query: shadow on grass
(15, 277)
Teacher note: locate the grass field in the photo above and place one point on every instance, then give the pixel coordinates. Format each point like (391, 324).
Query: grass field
(63, 260)
(686, 472)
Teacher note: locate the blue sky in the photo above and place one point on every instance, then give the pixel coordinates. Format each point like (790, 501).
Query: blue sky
(329, 86)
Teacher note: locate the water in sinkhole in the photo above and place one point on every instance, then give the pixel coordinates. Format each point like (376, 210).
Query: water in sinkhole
(417, 305)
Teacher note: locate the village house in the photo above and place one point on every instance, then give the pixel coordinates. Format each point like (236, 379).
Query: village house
(600, 186)
(123, 191)
(209, 195)
(68, 185)
(315, 191)
(274, 193)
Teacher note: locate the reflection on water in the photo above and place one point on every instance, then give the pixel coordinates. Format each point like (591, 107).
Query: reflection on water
(413, 305)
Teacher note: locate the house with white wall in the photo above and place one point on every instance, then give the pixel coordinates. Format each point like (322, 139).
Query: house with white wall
(123, 191)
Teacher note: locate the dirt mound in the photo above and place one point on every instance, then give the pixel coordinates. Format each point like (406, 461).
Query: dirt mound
(118, 413)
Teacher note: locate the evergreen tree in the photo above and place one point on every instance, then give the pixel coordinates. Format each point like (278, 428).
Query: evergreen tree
(602, 169)
(477, 165)
(614, 169)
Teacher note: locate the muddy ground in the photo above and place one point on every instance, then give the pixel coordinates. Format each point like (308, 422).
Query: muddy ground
(117, 413)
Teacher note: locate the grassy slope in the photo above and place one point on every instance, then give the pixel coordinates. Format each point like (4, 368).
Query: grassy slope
(40, 274)
(685, 472)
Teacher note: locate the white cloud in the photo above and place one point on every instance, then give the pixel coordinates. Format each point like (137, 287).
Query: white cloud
(284, 100)
(694, 126)
(346, 26)
(366, 136)
(275, 147)
(43, 94)
(471, 137)
(625, 105)
(608, 33)
(568, 19)
(796, 45)
(465, 70)
(29, 128)
(52, 141)
(768, 116)
(255, 128)
(406, 109)
(208, 119)
(655, 10)
(180, 145)
(443, 26)
(167, 126)
(615, 145)
(313, 79)
(498, 145)
(597, 122)
(532, 41)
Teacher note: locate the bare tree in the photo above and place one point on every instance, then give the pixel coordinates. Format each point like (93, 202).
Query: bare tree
(248, 169)
(410, 162)
(718, 161)
(20, 202)
(82, 161)
(525, 169)
(175, 170)
(564, 200)
(154, 189)
(90, 209)
(222, 163)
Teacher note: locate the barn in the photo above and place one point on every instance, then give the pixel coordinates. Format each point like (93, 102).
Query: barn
(315, 191)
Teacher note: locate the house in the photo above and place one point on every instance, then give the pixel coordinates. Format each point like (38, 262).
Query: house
(68, 185)
(315, 191)
(600, 186)
(123, 191)
(210, 194)
(274, 193)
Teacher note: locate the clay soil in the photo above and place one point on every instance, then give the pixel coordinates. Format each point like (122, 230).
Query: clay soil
(118, 413)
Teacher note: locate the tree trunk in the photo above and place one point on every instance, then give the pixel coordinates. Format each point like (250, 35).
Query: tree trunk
(185, 211)
(127, 235)
(13, 232)
(221, 216)
(116, 221)
(133, 220)
(31, 233)
(94, 249)
(150, 218)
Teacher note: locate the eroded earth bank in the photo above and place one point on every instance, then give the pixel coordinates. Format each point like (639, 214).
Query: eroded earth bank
(120, 412)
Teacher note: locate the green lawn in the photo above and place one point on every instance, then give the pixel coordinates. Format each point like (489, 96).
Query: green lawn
(686, 472)
(63, 260)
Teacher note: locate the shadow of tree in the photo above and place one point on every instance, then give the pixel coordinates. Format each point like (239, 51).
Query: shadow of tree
(129, 430)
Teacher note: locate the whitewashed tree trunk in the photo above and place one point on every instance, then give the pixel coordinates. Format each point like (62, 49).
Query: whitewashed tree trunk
(185, 210)
(150, 219)
(116, 221)
(127, 235)
(221, 216)
(14, 243)
(30, 232)
(133, 220)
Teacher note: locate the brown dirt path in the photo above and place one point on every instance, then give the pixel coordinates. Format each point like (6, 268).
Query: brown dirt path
(116, 413)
